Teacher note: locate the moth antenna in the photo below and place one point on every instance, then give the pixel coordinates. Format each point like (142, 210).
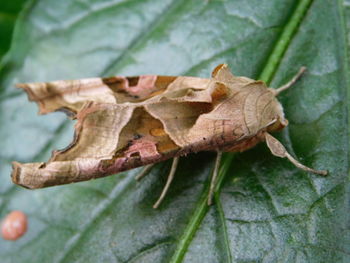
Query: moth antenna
(168, 182)
(277, 149)
(144, 172)
(291, 82)
(213, 179)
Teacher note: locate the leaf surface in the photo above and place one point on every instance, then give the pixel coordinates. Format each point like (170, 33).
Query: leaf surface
(8, 14)
(266, 210)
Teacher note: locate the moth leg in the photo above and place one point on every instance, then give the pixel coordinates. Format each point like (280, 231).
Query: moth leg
(279, 150)
(144, 172)
(168, 182)
(291, 82)
(213, 179)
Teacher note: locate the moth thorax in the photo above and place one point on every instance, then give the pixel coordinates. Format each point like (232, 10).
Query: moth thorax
(263, 111)
(279, 120)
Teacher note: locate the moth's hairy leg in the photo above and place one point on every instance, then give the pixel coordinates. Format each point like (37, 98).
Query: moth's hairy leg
(168, 182)
(279, 150)
(144, 172)
(214, 176)
(291, 82)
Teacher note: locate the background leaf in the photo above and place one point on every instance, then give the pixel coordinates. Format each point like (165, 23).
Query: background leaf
(8, 14)
(267, 210)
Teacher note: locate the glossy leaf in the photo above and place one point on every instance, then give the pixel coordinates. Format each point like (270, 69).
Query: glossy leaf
(8, 15)
(266, 210)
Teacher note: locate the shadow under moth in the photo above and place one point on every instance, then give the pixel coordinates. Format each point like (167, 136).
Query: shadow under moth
(127, 122)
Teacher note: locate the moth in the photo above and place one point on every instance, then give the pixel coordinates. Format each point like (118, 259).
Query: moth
(127, 122)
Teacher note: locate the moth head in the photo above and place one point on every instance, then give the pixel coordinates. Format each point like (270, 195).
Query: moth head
(278, 121)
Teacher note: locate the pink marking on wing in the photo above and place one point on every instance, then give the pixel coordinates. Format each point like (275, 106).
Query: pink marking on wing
(146, 149)
(88, 166)
(144, 87)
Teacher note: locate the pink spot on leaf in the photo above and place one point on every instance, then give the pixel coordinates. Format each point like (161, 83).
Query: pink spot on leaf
(14, 225)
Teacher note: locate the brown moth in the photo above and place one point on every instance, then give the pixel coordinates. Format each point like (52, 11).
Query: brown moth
(127, 122)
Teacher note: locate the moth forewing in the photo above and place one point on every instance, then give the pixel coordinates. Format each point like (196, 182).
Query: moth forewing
(127, 122)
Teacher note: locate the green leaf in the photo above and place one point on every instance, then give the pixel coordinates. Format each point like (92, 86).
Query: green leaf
(8, 14)
(265, 210)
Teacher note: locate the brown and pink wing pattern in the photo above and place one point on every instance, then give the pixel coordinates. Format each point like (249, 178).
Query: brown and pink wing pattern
(123, 123)
(71, 95)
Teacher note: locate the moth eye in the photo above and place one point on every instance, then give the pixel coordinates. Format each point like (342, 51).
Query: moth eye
(14, 225)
